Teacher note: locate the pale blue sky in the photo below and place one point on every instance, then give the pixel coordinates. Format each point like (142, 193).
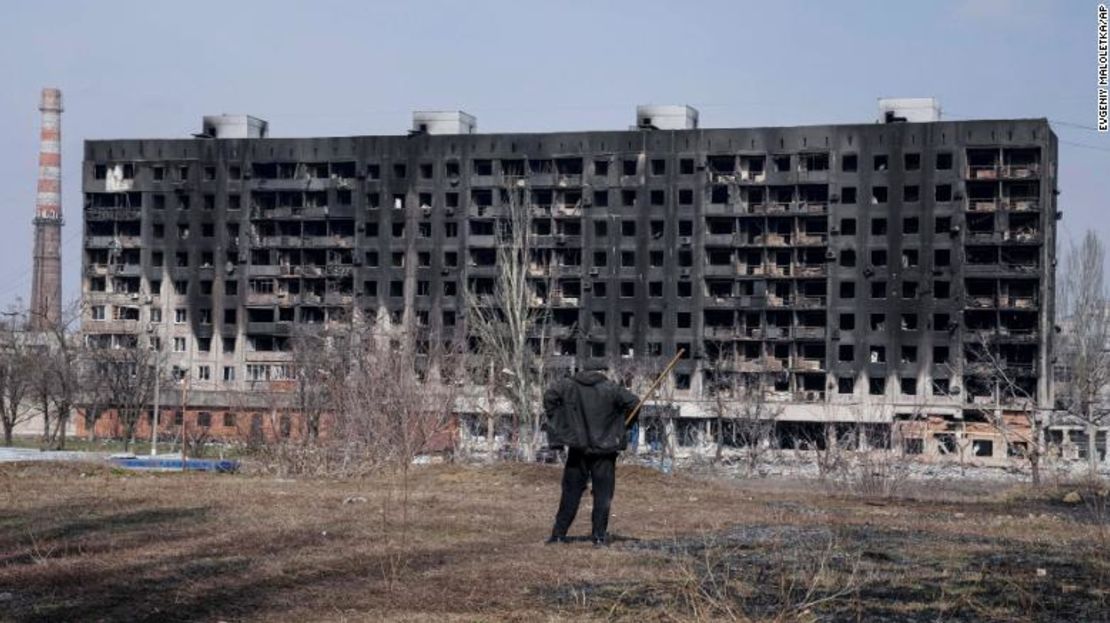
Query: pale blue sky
(152, 69)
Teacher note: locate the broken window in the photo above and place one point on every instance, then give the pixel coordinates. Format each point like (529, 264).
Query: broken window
(881, 162)
(909, 354)
(876, 385)
(629, 166)
(911, 193)
(908, 385)
(846, 385)
(878, 194)
(877, 321)
(846, 352)
(849, 163)
(815, 162)
(876, 354)
(942, 257)
(909, 258)
(982, 447)
(944, 192)
(722, 165)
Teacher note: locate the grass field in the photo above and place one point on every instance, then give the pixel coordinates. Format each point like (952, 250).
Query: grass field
(82, 542)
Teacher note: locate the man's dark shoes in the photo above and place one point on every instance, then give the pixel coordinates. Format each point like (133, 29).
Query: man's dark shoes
(600, 541)
(555, 539)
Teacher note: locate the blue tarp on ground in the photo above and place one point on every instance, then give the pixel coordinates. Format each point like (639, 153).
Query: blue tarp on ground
(175, 464)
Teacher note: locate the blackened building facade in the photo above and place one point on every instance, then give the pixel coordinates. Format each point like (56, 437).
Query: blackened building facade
(854, 267)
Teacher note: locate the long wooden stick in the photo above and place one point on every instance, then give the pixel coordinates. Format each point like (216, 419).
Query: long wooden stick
(654, 384)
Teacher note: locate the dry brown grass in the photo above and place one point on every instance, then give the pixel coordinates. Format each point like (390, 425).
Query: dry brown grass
(88, 543)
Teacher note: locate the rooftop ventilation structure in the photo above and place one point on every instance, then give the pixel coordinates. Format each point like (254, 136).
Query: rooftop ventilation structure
(234, 126)
(666, 117)
(908, 110)
(443, 122)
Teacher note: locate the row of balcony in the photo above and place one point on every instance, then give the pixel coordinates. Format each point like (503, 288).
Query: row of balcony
(306, 298)
(1023, 204)
(1002, 171)
(1003, 302)
(804, 271)
(113, 242)
(767, 208)
(769, 301)
(766, 333)
(258, 212)
(1023, 236)
(315, 242)
(767, 240)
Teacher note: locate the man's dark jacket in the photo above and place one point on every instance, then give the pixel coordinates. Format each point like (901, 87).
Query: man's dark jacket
(587, 412)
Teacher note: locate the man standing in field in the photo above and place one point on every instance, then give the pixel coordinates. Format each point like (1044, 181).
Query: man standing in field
(586, 413)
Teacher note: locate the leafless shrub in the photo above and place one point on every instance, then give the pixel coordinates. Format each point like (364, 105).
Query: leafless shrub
(744, 418)
(873, 473)
(722, 579)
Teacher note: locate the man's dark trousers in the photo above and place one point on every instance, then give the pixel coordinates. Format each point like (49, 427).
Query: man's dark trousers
(580, 468)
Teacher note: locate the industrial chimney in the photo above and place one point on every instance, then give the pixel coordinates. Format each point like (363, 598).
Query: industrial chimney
(46, 284)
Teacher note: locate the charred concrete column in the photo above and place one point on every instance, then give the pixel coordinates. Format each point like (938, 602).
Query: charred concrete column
(46, 284)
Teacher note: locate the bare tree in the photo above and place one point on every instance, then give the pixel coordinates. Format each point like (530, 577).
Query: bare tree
(58, 376)
(392, 404)
(1084, 349)
(19, 360)
(637, 374)
(503, 322)
(312, 367)
(126, 379)
(744, 417)
(1012, 407)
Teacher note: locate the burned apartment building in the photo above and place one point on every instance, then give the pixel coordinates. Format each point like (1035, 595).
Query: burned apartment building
(854, 269)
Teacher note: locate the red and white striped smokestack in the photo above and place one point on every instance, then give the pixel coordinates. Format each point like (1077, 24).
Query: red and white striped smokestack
(48, 204)
(46, 284)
